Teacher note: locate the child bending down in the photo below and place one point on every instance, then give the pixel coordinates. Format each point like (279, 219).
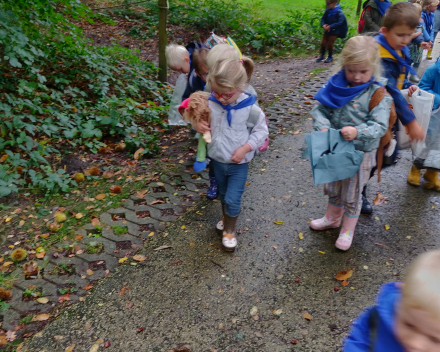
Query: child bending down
(344, 105)
(233, 142)
(406, 317)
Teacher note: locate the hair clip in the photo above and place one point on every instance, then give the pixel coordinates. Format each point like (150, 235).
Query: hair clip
(241, 61)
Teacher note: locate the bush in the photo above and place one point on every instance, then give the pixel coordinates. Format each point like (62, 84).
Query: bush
(57, 91)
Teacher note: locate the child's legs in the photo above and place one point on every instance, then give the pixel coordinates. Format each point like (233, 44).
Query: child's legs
(333, 191)
(211, 170)
(324, 42)
(231, 179)
(351, 192)
(331, 43)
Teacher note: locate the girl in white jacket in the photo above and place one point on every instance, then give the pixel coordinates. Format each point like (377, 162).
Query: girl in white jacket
(233, 143)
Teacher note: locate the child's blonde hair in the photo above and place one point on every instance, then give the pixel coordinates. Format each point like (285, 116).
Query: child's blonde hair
(226, 67)
(427, 3)
(359, 50)
(422, 284)
(176, 55)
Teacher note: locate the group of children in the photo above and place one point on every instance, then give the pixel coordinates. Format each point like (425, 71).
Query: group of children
(407, 317)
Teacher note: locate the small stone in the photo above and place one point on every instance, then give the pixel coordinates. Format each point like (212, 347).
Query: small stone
(258, 334)
(239, 336)
(220, 326)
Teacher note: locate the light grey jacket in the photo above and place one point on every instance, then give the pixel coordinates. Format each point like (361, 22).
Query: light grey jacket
(371, 125)
(226, 139)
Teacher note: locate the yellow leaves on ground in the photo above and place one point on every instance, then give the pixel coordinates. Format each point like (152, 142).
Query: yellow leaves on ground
(100, 196)
(387, 227)
(307, 316)
(301, 236)
(379, 199)
(69, 348)
(344, 275)
(42, 300)
(137, 153)
(139, 257)
(141, 194)
(41, 317)
(278, 222)
(122, 260)
(79, 215)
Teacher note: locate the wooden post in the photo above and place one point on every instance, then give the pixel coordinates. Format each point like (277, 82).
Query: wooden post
(163, 6)
(358, 11)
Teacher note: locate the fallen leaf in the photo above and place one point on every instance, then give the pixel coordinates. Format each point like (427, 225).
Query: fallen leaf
(116, 189)
(100, 196)
(345, 283)
(182, 227)
(123, 260)
(79, 215)
(379, 199)
(301, 236)
(40, 255)
(21, 223)
(139, 257)
(11, 335)
(137, 153)
(95, 221)
(344, 275)
(141, 194)
(247, 183)
(321, 252)
(151, 234)
(122, 292)
(88, 287)
(387, 227)
(79, 237)
(278, 222)
(90, 272)
(107, 174)
(42, 300)
(129, 305)
(157, 201)
(297, 132)
(307, 316)
(94, 348)
(63, 298)
(161, 247)
(69, 348)
(191, 243)
(278, 312)
(41, 317)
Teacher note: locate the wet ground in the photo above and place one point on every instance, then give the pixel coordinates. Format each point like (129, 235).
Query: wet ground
(194, 296)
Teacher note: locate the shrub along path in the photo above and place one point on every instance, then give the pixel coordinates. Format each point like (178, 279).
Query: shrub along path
(67, 271)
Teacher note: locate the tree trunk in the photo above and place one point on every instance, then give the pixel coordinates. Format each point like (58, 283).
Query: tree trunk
(358, 11)
(163, 6)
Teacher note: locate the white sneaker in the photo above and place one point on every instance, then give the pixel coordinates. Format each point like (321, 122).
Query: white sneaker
(229, 243)
(220, 226)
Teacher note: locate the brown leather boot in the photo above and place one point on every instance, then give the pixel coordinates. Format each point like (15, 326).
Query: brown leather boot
(229, 241)
(414, 176)
(432, 181)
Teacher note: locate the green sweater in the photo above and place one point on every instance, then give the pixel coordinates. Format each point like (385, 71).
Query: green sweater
(371, 125)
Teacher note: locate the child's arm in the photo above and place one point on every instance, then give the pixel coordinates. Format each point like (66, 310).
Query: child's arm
(427, 83)
(358, 339)
(321, 117)
(339, 22)
(376, 124)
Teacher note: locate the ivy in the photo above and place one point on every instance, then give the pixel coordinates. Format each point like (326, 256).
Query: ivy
(58, 91)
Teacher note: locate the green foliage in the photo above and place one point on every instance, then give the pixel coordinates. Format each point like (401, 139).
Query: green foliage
(58, 92)
(26, 320)
(94, 248)
(33, 292)
(65, 290)
(4, 306)
(120, 230)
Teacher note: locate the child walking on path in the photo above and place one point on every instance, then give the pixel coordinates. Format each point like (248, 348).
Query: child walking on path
(430, 83)
(234, 142)
(399, 24)
(344, 104)
(429, 7)
(406, 317)
(335, 26)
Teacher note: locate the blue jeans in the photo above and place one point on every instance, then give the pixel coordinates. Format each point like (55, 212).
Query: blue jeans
(231, 179)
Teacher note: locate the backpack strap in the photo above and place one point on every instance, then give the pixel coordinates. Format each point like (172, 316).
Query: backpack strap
(254, 116)
(376, 98)
(373, 324)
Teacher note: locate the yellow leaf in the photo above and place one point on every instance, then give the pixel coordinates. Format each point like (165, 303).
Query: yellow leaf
(123, 260)
(39, 249)
(377, 218)
(69, 348)
(41, 317)
(94, 348)
(136, 154)
(344, 275)
(79, 215)
(387, 227)
(139, 258)
(151, 234)
(321, 252)
(301, 236)
(100, 196)
(247, 183)
(90, 272)
(192, 244)
(8, 219)
(182, 227)
(40, 255)
(278, 222)
(42, 300)
(21, 223)
(263, 169)
(307, 316)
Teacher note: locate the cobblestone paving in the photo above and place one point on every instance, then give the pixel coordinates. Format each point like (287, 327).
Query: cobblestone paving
(164, 202)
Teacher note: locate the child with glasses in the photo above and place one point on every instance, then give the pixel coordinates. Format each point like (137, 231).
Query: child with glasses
(233, 143)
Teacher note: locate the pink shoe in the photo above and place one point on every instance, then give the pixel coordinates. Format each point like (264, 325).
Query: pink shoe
(346, 236)
(331, 220)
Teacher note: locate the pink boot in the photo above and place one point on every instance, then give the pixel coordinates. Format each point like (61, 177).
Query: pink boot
(346, 236)
(331, 220)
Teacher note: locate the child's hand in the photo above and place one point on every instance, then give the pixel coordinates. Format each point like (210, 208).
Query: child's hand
(202, 127)
(415, 131)
(349, 133)
(324, 129)
(411, 90)
(240, 153)
(425, 45)
(415, 35)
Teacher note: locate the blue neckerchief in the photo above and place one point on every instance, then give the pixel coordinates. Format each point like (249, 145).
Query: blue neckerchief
(405, 51)
(244, 103)
(429, 20)
(336, 92)
(382, 6)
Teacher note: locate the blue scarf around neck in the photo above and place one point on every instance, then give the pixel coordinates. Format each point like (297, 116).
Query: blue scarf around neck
(337, 91)
(382, 6)
(331, 12)
(405, 51)
(243, 104)
(429, 20)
